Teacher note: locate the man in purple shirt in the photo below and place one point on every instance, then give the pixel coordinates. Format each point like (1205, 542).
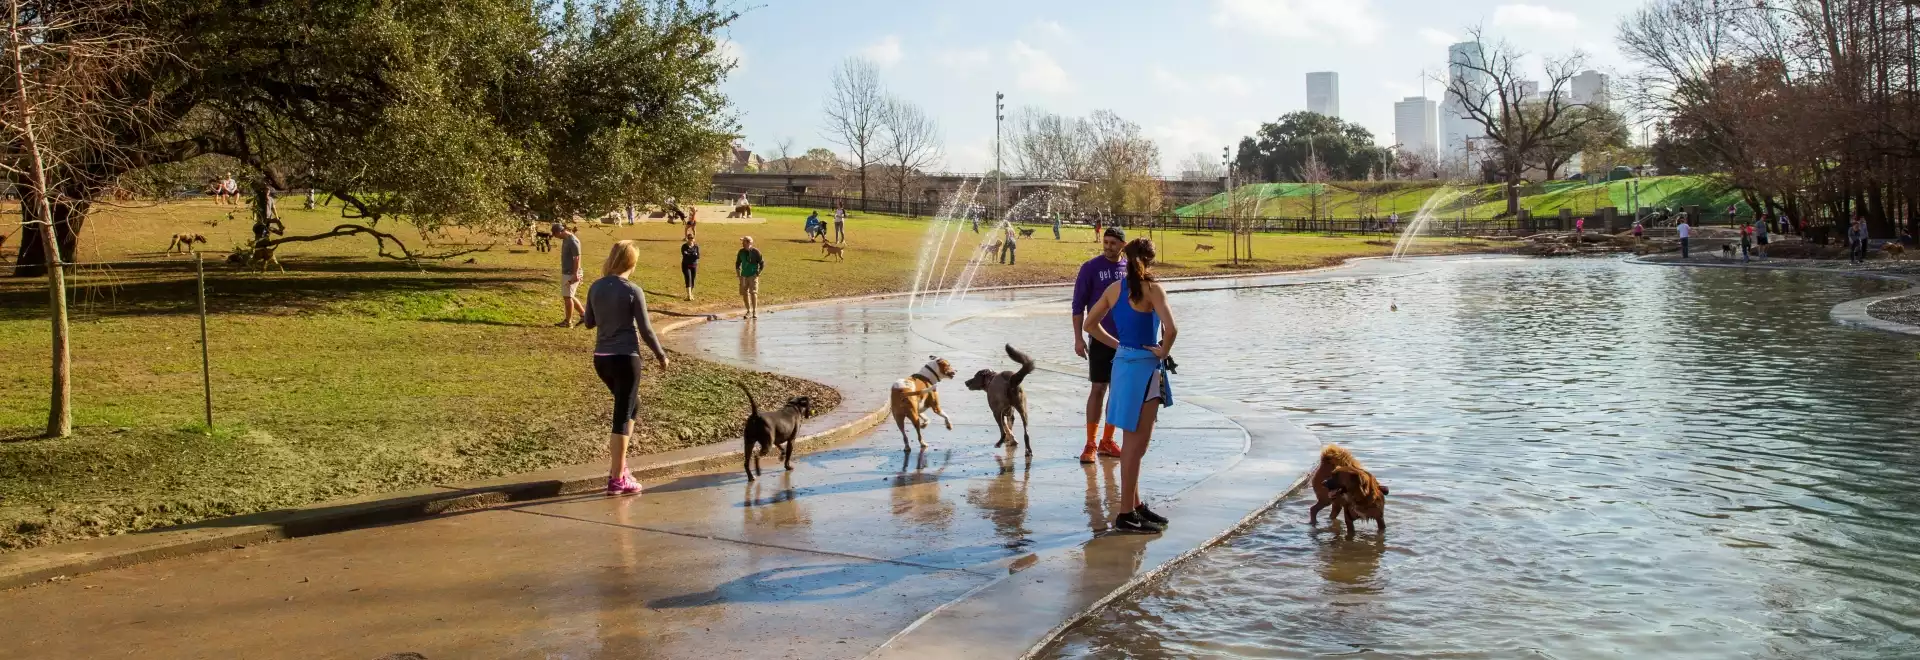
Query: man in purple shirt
(1095, 275)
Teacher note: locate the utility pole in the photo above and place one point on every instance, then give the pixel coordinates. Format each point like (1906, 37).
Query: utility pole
(999, 177)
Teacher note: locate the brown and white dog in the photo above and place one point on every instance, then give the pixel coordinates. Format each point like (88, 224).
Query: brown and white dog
(183, 243)
(916, 393)
(1342, 483)
(831, 250)
(1202, 247)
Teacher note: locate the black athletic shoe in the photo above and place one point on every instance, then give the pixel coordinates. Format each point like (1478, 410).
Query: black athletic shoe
(1133, 524)
(1149, 516)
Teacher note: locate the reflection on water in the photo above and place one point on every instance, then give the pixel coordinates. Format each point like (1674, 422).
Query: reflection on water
(1588, 459)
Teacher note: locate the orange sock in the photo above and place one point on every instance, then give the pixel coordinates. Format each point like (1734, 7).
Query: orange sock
(1090, 429)
(1106, 435)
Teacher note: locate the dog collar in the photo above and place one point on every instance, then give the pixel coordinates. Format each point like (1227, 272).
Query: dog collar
(930, 373)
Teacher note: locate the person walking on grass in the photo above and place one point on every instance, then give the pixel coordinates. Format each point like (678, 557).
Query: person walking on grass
(616, 311)
(1760, 235)
(1138, 308)
(748, 263)
(569, 274)
(689, 263)
(839, 224)
(1686, 233)
(1103, 269)
(1007, 246)
(1056, 226)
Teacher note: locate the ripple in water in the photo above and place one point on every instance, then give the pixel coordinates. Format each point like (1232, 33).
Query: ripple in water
(1588, 459)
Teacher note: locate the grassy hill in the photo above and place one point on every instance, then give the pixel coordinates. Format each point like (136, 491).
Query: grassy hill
(1381, 198)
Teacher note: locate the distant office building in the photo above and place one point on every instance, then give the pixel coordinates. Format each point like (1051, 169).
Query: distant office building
(1323, 93)
(1413, 126)
(1526, 90)
(1590, 87)
(1464, 63)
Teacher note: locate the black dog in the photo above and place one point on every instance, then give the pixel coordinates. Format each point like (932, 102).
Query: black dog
(779, 427)
(542, 241)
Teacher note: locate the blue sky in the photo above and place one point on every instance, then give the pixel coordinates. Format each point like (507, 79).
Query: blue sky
(1196, 74)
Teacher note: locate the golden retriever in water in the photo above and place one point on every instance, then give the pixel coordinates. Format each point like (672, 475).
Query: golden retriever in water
(1342, 483)
(919, 392)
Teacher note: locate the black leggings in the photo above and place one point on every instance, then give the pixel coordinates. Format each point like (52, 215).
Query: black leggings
(688, 273)
(621, 373)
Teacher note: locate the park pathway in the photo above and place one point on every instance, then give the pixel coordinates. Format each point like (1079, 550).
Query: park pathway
(976, 552)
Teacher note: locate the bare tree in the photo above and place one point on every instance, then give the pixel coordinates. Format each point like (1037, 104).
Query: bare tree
(909, 144)
(1120, 165)
(854, 107)
(1202, 166)
(1049, 146)
(1516, 123)
(783, 156)
(60, 59)
(1415, 164)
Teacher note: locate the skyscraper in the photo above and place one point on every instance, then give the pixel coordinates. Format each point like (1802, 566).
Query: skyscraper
(1464, 63)
(1323, 93)
(1590, 87)
(1413, 126)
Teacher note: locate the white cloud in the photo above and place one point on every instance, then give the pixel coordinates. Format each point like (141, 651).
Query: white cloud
(1226, 84)
(1534, 17)
(1437, 37)
(1036, 70)
(1181, 137)
(965, 60)
(1350, 20)
(885, 52)
(728, 50)
(1051, 30)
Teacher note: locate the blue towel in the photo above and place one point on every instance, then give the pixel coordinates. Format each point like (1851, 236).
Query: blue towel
(1133, 373)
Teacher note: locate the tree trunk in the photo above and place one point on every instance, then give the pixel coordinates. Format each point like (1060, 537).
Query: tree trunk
(59, 403)
(69, 217)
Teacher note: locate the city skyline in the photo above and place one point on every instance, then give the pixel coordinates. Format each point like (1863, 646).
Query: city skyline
(1075, 58)
(1414, 127)
(1323, 92)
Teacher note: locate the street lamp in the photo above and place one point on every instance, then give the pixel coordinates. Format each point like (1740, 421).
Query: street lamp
(999, 177)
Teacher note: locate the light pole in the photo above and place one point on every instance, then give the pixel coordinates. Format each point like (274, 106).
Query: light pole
(999, 177)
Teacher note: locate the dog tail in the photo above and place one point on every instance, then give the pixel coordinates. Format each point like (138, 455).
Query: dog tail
(750, 401)
(1026, 364)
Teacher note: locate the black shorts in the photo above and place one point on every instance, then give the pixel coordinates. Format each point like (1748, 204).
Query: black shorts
(1099, 361)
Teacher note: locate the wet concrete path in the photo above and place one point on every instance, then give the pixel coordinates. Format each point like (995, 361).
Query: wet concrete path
(833, 560)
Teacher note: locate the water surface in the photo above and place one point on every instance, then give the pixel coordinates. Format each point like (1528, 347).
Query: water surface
(1588, 459)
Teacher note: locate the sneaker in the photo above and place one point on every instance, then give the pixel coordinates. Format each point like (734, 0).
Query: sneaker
(1131, 523)
(1149, 516)
(1109, 449)
(1087, 456)
(623, 485)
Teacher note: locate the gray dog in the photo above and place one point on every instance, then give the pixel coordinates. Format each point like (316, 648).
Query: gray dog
(778, 427)
(1005, 397)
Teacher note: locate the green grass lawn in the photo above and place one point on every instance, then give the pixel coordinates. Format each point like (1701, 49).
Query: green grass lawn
(1341, 200)
(352, 375)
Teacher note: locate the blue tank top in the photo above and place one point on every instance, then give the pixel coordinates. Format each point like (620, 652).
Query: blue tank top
(1137, 329)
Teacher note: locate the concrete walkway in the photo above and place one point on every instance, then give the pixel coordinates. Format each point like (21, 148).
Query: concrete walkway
(960, 551)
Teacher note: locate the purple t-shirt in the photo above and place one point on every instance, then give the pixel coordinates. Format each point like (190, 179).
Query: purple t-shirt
(1092, 281)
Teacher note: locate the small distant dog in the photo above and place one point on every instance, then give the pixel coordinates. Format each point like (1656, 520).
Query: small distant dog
(831, 250)
(1202, 247)
(741, 211)
(542, 241)
(1026, 233)
(916, 393)
(1349, 488)
(992, 248)
(1005, 397)
(1894, 249)
(767, 429)
(1726, 251)
(257, 259)
(183, 243)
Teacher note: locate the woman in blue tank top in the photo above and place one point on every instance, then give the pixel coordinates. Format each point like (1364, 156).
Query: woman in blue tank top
(1139, 386)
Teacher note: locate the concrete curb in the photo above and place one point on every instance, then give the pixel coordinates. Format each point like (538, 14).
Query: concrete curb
(1852, 313)
(62, 560)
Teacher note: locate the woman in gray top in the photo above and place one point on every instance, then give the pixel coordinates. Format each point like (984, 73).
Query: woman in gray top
(617, 313)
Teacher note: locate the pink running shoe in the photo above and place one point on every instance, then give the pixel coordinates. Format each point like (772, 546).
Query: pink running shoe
(623, 485)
